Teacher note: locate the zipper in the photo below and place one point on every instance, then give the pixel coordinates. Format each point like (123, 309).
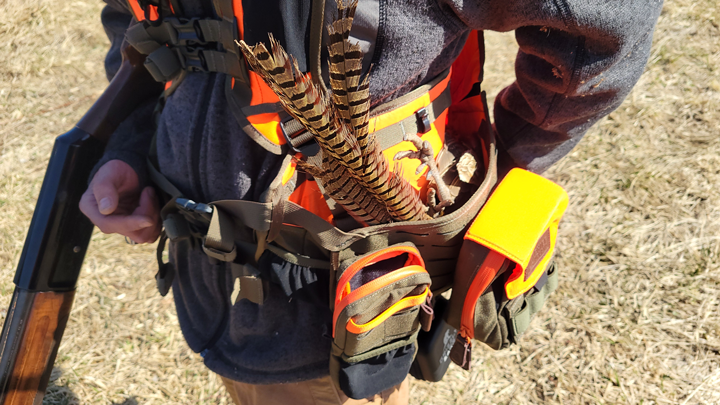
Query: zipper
(373, 286)
(414, 258)
(485, 274)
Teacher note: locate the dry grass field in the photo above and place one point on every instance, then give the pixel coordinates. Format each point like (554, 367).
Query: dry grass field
(636, 319)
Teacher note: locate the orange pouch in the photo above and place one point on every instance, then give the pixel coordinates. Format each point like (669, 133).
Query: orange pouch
(379, 308)
(505, 269)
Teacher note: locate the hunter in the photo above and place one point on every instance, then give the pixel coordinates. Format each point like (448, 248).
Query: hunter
(207, 138)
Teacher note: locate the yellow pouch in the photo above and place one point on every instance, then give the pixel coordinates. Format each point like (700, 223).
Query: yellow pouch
(520, 221)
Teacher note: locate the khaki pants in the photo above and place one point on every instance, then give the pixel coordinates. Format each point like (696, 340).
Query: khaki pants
(314, 392)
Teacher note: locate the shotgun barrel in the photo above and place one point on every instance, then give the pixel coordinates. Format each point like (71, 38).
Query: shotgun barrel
(58, 238)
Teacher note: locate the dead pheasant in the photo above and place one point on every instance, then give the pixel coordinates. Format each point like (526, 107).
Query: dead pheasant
(353, 170)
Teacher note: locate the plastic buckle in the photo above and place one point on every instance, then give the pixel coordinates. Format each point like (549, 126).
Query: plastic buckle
(184, 32)
(192, 207)
(423, 121)
(193, 59)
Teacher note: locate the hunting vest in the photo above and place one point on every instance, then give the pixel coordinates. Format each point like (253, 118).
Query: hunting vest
(383, 277)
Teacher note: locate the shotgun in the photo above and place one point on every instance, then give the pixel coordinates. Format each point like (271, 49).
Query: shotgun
(58, 237)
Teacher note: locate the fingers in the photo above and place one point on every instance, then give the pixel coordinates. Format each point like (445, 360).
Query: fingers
(114, 183)
(142, 226)
(106, 196)
(149, 207)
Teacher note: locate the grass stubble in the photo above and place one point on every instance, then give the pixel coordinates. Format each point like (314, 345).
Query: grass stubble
(635, 319)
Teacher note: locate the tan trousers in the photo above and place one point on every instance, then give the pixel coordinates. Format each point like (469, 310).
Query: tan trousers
(314, 392)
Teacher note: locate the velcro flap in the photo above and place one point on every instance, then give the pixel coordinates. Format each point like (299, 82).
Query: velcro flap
(520, 222)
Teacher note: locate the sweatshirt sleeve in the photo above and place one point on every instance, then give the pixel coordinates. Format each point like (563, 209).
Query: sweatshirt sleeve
(577, 61)
(131, 140)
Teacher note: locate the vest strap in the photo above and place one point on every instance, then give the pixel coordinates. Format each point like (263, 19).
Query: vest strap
(301, 141)
(193, 45)
(219, 242)
(248, 284)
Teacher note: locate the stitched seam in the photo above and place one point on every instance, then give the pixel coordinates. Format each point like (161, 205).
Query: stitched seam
(574, 77)
(564, 11)
(565, 14)
(380, 38)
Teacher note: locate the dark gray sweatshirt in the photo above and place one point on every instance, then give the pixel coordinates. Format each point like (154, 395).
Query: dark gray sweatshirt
(578, 60)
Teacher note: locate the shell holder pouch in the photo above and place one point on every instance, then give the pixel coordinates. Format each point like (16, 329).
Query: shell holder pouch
(505, 269)
(380, 306)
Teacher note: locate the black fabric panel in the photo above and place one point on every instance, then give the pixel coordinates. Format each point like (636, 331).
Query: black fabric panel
(287, 20)
(377, 270)
(304, 283)
(369, 377)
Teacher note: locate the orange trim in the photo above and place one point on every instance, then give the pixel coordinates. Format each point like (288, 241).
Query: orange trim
(154, 13)
(414, 258)
(466, 115)
(137, 10)
(308, 196)
(261, 92)
(404, 303)
(389, 118)
(466, 69)
(369, 288)
(268, 124)
(140, 13)
(239, 14)
(168, 84)
(483, 277)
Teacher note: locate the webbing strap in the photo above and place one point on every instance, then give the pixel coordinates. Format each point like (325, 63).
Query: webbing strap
(224, 9)
(250, 213)
(220, 242)
(534, 303)
(174, 44)
(161, 181)
(298, 259)
(252, 286)
(184, 32)
(394, 134)
(298, 137)
(431, 232)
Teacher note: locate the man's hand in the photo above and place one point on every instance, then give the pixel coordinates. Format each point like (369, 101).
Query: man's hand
(115, 204)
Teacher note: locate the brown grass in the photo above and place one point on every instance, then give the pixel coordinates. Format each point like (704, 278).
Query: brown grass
(635, 320)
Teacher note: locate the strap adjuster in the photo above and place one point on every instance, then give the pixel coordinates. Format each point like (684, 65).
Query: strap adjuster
(423, 121)
(184, 31)
(301, 141)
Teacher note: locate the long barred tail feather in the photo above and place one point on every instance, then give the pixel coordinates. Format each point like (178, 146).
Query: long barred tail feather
(351, 92)
(354, 171)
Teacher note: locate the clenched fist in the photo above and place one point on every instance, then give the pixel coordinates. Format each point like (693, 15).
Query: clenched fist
(115, 203)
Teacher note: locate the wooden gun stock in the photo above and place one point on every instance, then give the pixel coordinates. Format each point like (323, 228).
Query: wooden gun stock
(58, 238)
